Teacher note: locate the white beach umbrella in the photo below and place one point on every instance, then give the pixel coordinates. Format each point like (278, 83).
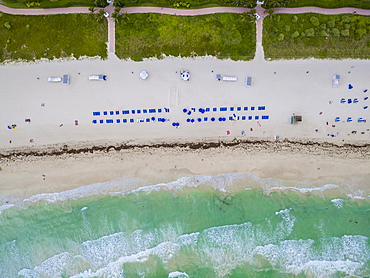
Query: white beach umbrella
(144, 74)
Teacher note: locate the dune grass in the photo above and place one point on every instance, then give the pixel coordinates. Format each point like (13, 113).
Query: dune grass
(288, 36)
(226, 35)
(52, 36)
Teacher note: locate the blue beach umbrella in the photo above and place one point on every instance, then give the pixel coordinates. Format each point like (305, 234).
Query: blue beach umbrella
(185, 110)
(213, 119)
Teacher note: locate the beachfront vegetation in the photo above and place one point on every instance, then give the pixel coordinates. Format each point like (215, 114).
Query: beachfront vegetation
(53, 3)
(288, 36)
(364, 4)
(185, 4)
(51, 36)
(224, 36)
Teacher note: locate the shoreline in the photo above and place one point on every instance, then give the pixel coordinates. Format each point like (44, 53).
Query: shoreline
(295, 163)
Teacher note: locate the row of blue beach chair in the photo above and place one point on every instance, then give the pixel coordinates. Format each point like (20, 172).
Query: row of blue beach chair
(222, 109)
(124, 121)
(230, 118)
(132, 111)
(349, 119)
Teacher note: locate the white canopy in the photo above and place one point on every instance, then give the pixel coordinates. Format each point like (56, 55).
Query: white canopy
(185, 75)
(144, 74)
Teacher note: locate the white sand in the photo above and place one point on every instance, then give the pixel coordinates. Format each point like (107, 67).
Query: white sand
(290, 90)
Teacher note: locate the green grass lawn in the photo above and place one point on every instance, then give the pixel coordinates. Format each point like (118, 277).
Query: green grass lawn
(52, 36)
(288, 36)
(226, 35)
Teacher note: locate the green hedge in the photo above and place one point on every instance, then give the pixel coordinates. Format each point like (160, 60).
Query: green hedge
(316, 35)
(186, 3)
(228, 35)
(52, 36)
(53, 3)
(364, 4)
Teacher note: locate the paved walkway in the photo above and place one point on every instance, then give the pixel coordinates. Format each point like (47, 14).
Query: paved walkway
(185, 12)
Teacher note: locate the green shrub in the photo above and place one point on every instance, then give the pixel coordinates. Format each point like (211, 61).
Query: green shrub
(8, 25)
(28, 26)
(347, 26)
(295, 34)
(344, 33)
(310, 32)
(331, 23)
(294, 19)
(360, 33)
(323, 26)
(345, 19)
(280, 37)
(361, 24)
(287, 28)
(314, 21)
(335, 32)
(323, 33)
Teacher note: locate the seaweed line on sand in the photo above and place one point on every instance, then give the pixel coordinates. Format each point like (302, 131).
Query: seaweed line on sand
(278, 146)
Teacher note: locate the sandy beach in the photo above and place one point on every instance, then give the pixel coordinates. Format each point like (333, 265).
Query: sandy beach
(284, 88)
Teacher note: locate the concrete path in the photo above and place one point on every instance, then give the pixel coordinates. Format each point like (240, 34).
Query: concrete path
(111, 29)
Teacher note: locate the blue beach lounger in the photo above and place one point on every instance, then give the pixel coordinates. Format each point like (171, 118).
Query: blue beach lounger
(238, 109)
(365, 107)
(355, 100)
(105, 113)
(96, 113)
(94, 121)
(111, 112)
(261, 107)
(223, 109)
(214, 109)
(159, 110)
(132, 121)
(208, 109)
(343, 100)
(117, 112)
(366, 98)
(118, 121)
(109, 121)
(124, 121)
(152, 110)
(101, 121)
(231, 118)
(147, 120)
(250, 118)
(231, 108)
(243, 118)
(252, 108)
(266, 117)
(337, 119)
(349, 120)
(125, 112)
(245, 108)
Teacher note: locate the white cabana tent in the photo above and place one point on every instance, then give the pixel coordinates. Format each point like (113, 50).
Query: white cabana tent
(185, 75)
(144, 74)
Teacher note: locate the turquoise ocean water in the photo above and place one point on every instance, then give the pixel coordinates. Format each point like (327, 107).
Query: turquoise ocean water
(224, 226)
